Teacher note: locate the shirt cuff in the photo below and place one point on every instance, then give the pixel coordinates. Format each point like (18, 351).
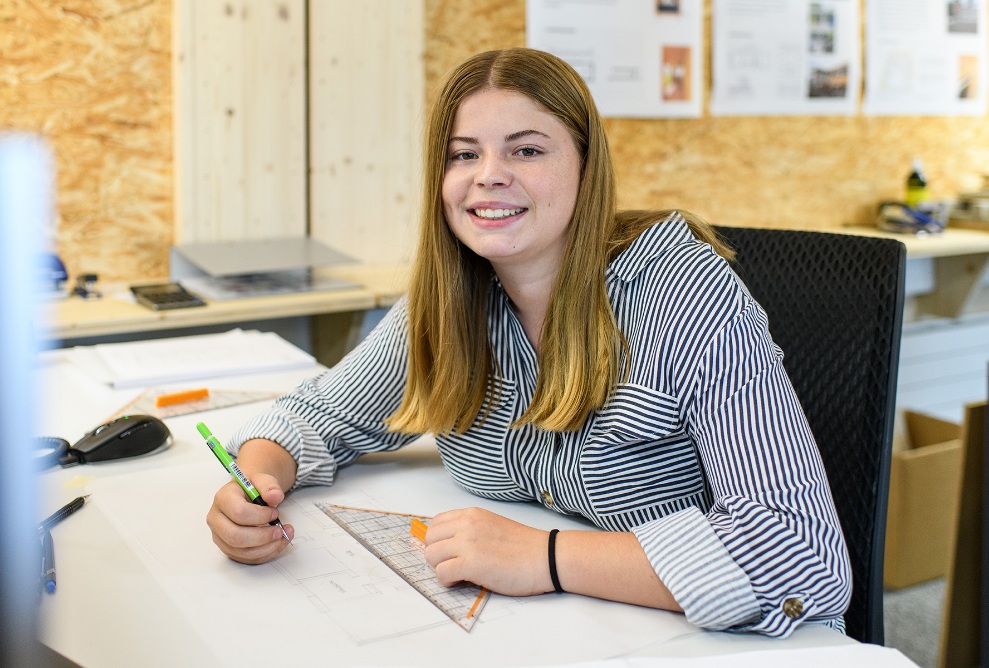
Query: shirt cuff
(316, 466)
(714, 592)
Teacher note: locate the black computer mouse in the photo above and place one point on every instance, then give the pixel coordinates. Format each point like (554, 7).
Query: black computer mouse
(123, 437)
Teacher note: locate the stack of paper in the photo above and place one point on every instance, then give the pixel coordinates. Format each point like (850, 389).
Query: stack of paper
(142, 363)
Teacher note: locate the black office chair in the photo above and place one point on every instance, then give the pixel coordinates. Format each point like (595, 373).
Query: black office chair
(835, 306)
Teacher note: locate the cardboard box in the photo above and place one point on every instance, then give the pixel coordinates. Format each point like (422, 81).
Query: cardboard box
(924, 488)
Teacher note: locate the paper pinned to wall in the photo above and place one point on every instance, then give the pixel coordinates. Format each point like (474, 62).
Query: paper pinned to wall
(785, 58)
(143, 363)
(639, 59)
(926, 58)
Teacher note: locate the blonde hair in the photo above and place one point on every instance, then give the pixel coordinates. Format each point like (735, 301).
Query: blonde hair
(450, 362)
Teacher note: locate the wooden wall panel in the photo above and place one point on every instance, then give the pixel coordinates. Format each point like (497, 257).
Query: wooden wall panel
(366, 98)
(240, 81)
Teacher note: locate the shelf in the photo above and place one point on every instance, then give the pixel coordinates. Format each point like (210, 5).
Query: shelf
(960, 258)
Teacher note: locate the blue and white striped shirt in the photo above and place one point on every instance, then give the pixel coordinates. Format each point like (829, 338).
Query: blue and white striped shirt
(704, 452)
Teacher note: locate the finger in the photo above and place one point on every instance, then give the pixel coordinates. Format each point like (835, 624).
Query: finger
(246, 544)
(269, 489)
(445, 516)
(449, 572)
(241, 530)
(437, 551)
(236, 533)
(252, 555)
(449, 523)
(233, 503)
(436, 532)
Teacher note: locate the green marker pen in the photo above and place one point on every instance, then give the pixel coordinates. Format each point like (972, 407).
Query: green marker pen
(231, 466)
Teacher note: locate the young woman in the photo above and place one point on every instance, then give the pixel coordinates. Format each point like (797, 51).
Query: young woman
(603, 364)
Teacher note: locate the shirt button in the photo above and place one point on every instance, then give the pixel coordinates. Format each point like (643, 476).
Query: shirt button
(793, 608)
(547, 498)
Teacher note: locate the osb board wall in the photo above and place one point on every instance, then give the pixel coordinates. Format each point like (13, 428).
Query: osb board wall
(93, 77)
(806, 172)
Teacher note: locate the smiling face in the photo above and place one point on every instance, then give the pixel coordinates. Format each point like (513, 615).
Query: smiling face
(511, 181)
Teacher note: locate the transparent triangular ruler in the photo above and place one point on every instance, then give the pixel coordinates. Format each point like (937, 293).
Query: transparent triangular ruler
(145, 404)
(386, 535)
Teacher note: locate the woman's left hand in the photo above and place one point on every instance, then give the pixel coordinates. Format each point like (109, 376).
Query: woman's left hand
(499, 554)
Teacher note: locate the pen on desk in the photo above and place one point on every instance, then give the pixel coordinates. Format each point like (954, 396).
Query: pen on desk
(63, 512)
(231, 466)
(47, 562)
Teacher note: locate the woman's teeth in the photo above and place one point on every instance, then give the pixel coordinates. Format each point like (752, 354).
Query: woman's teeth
(492, 214)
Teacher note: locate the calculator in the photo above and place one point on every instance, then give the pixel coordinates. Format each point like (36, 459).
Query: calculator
(163, 296)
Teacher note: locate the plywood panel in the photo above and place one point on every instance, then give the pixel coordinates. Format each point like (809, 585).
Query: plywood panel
(366, 98)
(804, 172)
(241, 120)
(93, 78)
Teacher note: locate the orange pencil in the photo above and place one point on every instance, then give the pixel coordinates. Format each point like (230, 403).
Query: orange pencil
(477, 602)
(181, 397)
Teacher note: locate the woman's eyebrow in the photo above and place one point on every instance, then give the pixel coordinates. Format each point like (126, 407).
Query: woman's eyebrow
(525, 133)
(508, 138)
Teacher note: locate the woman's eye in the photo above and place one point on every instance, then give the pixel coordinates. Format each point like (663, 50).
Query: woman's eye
(463, 155)
(528, 152)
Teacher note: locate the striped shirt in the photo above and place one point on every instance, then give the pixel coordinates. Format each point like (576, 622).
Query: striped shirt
(703, 453)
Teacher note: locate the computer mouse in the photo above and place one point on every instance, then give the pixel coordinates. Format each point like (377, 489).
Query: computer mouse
(121, 438)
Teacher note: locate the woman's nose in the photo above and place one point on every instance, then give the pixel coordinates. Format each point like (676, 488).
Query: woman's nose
(492, 171)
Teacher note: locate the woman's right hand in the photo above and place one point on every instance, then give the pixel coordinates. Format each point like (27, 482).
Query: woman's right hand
(240, 528)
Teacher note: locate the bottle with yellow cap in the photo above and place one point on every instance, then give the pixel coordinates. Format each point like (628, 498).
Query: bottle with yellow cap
(916, 185)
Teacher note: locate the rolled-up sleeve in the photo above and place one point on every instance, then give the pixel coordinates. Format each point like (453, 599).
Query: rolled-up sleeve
(329, 420)
(769, 552)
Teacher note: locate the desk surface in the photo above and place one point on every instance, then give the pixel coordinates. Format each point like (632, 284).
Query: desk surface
(74, 318)
(139, 576)
(953, 241)
(379, 286)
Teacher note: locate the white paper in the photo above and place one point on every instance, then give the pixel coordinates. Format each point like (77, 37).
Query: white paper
(142, 363)
(327, 597)
(925, 58)
(639, 59)
(785, 57)
(848, 656)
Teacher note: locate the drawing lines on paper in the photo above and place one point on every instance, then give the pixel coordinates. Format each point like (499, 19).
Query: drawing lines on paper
(387, 536)
(351, 588)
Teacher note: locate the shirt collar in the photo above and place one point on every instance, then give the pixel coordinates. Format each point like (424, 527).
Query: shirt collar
(653, 242)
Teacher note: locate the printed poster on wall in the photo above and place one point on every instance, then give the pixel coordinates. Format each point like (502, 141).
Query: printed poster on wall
(640, 58)
(785, 57)
(925, 57)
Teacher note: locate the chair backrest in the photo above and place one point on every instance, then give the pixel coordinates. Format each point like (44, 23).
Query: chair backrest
(835, 307)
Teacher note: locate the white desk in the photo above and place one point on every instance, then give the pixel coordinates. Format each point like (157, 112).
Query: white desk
(960, 257)
(72, 318)
(158, 593)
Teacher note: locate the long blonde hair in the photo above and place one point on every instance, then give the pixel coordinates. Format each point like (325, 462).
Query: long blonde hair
(450, 362)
